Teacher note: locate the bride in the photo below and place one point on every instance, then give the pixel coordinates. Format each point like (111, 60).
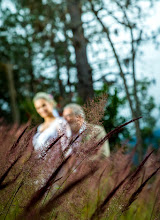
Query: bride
(47, 132)
(52, 127)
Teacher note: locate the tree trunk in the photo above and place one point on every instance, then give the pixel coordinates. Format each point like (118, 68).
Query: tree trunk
(67, 60)
(60, 85)
(12, 92)
(133, 112)
(136, 99)
(137, 111)
(84, 72)
(31, 74)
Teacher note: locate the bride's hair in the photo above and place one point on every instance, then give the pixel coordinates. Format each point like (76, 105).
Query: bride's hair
(45, 96)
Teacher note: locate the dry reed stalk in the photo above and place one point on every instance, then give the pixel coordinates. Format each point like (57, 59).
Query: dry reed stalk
(39, 194)
(138, 191)
(57, 200)
(100, 210)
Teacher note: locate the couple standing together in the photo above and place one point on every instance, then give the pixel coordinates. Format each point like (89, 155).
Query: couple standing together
(72, 126)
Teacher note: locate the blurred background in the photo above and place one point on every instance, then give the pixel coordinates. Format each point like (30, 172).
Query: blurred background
(79, 49)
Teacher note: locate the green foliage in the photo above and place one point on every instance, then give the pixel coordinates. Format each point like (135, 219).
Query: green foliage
(147, 108)
(111, 118)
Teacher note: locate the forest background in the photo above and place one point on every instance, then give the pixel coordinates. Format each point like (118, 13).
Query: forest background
(76, 50)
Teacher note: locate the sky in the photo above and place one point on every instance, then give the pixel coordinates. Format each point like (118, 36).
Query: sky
(149, 64)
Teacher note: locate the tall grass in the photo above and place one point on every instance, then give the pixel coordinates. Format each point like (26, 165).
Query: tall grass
(79, 186)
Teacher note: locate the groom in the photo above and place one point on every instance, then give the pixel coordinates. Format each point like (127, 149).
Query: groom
(83, 132)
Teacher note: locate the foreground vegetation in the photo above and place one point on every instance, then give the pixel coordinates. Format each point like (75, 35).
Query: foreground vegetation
(111, 188)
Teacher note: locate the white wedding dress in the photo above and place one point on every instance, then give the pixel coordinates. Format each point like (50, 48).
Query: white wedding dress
(58, 127)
